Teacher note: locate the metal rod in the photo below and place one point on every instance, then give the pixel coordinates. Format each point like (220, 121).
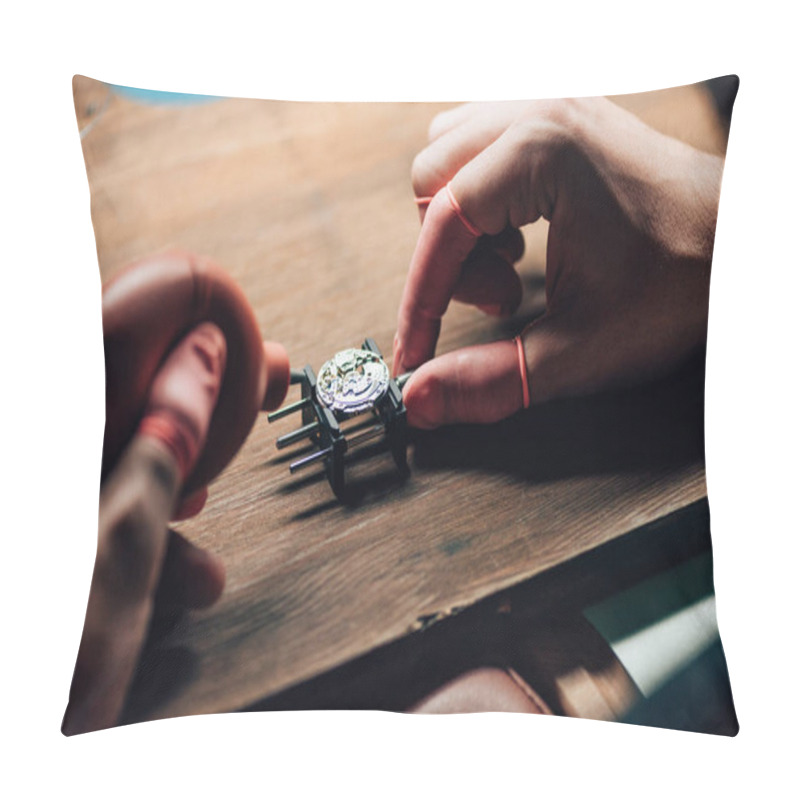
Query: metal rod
(372, 433)
(401, 380)
(290, 409)
(312, 459)
(296, 376)
(370, 420)
(296, 436)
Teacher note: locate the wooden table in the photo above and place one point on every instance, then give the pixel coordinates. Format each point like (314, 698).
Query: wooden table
(309, 207)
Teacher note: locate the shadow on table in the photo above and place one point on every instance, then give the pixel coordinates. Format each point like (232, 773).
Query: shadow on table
(649, 427)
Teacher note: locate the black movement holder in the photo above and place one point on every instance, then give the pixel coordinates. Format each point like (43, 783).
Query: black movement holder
(386, 418)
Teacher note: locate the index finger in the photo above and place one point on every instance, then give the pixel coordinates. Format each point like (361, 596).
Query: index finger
(445, 241)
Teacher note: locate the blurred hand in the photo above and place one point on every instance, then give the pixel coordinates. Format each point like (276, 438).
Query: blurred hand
(138, 558)
(632, 216)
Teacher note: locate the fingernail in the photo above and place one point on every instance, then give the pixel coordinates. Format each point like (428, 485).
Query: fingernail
(396, 355)
(422, 206)
(209, 343)
(184, 393)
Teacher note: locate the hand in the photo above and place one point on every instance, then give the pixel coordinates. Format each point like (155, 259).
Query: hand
(138, 558)
(632, 216)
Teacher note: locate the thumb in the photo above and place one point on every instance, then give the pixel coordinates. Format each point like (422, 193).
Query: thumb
(486, 383)
(479, 384)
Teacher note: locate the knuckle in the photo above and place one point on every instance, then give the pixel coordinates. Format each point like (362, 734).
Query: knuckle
(521, 153)
(545, 125)
(438, 124)
(421, 174)
(557, 112)
(538, 143)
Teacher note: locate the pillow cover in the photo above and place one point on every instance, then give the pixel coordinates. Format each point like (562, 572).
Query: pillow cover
(494, 497)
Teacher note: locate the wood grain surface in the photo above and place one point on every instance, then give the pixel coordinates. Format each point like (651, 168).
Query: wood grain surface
(309, 206)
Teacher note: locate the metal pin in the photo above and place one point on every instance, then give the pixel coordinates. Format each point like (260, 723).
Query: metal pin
(401, 380)
(296, 376)
(361, 424)
(312, 459)
(372, 433)
(290, 409)
(296, 436)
